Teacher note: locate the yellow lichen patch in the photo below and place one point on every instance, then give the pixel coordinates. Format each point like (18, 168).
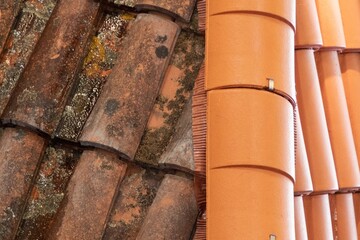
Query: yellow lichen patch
(95, 57)
(128, 16)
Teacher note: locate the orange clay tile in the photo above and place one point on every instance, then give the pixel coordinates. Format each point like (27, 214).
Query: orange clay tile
(89, 196)
(350, 13)
(8, 12)
(173, 212)
(356, 198)
(182, 9)
(350, 68)
(337, 117)
(303, 183)
(318, 217)
(313, 122)
(119, 117)
(249, 203)
(41, 94)
(300, 221)
(179, 152)
(331, 24)
(283, 10)
(308, 34)
(253, 128)
(232, 52)
(20, 152)
(343, 216)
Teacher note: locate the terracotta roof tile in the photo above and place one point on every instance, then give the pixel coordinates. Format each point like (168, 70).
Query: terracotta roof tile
(300, 220)
(136, 194)
(57, 166)
(20, 152)
(179, 152)
(331, 24)
(350, 67)
(303, 182)
(343, 216)
(87, 201)
(40, 96)
(127, 98)
(96, 67)
(173, 94)
(181, 8)
(318, 217)
(356, 198)
(21, 42)
(8, 12)
(173, 212)
(338, 122)
(308, 34)
(239, 144)
(350, 13)
(314, 124)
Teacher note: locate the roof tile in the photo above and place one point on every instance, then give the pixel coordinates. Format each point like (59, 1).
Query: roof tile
(128, 96)
(308, 33)
(248, 114)
(173, 212)
(331, 30)
(275, 62)
(343, 216)
(180, 8)
(350, 67)
(49, 189)
(350, 13)
(356, 198)
(179, 152)
(338, 122)
(318, 217)
(300, 221)
(89, 196)
(40, 96)
(303, 182)
(8, 12)
(313, 122)
(20, 152)
(21, 43)
(136, 194)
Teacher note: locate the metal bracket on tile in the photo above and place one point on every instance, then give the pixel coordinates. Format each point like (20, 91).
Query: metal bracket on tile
(271, 84)
(272, 237)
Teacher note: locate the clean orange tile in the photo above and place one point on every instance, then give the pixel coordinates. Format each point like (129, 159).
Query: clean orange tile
(337, 118)
(318, 217)
(249, 203)
(300, 221)
(331, 24)
(248, 127)
(308, 33)
(350, 68)
(350, 13)
(254, 49)
(356, 198)
(313, 122)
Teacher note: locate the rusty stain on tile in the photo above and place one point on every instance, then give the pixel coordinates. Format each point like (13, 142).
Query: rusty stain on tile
(97, 65)
(179, 153)
(55, 171)
(182, 9)
(20, 152)
(88, 197)
(8, 12)
(173, 212)
(136, 195)
(174, 93)
(134, 84)
(40, 95)
(21, 43)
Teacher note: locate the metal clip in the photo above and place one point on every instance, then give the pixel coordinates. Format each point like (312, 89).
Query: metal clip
(271, 84)
(272, 237)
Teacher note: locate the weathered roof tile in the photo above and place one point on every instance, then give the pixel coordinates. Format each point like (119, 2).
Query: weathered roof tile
(8, 11)
(40, 96)
(120, 115)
